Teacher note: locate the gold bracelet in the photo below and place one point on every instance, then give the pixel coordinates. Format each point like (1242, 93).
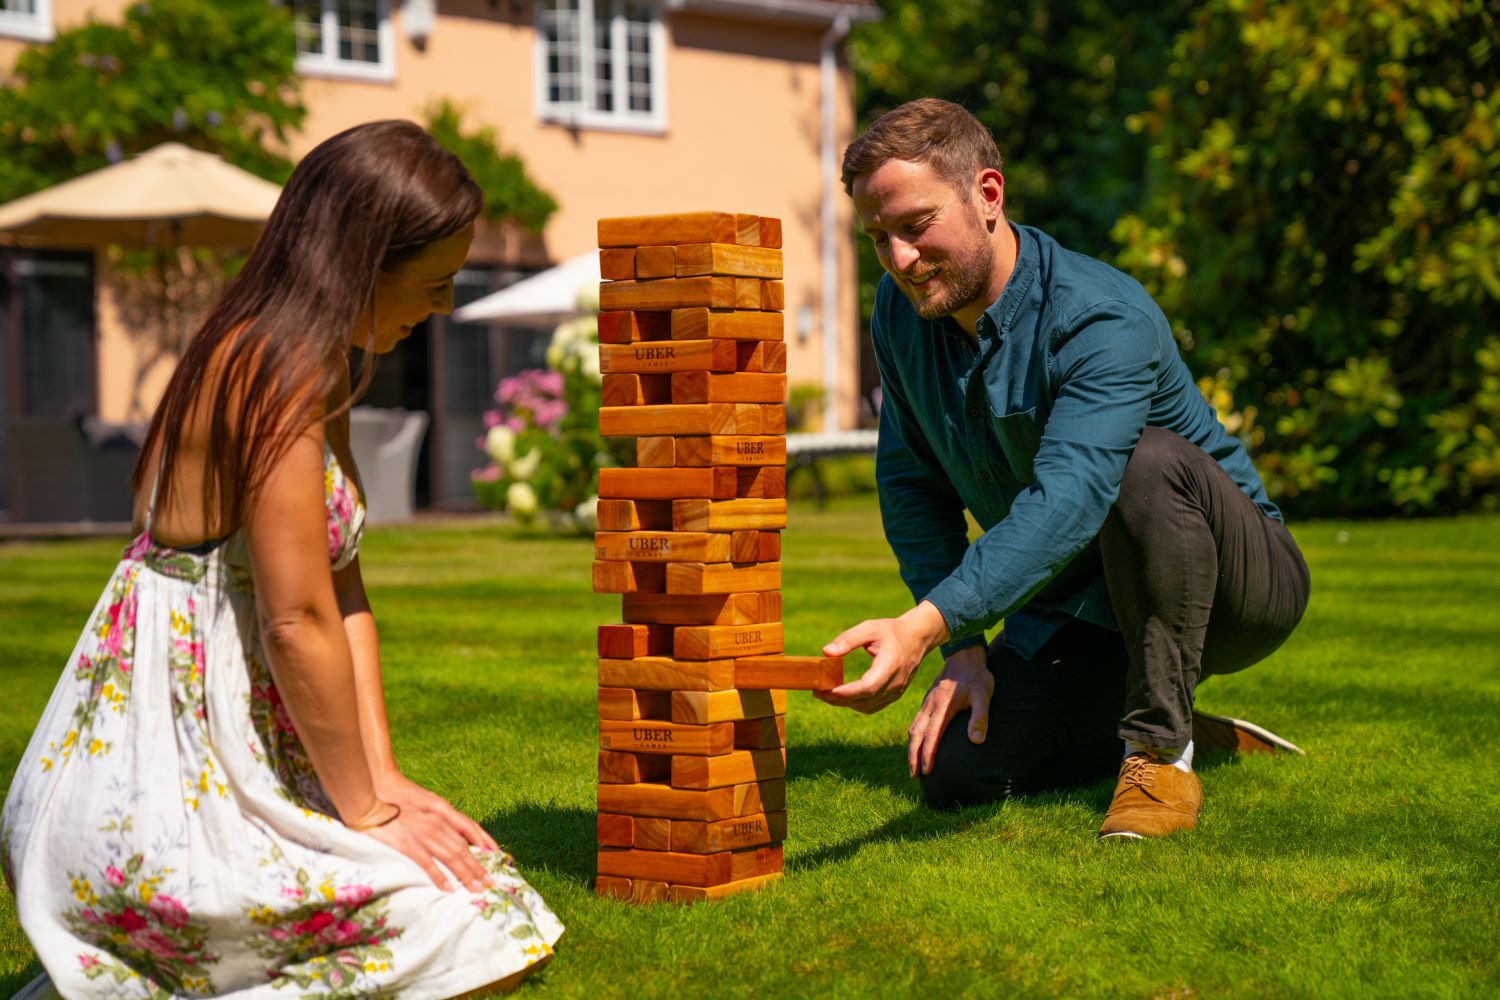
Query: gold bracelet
(370, 826)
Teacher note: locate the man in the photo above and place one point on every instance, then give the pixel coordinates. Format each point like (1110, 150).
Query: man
(1128, 541)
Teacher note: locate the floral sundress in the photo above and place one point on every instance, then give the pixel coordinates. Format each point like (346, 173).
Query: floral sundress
(166, 834)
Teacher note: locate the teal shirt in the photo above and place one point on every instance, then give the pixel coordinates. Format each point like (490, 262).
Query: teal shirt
(1030, 433)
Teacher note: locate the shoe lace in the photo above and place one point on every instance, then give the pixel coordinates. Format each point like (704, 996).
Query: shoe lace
(1140, 770)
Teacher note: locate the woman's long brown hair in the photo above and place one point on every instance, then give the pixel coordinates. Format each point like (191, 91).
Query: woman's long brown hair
(366, 200)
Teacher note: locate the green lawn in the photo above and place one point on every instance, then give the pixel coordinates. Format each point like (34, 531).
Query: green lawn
(1368, 868)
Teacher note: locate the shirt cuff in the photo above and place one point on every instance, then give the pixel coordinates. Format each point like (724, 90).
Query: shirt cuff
(961, 609)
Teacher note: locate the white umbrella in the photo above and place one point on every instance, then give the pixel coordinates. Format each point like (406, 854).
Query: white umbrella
(544, 299)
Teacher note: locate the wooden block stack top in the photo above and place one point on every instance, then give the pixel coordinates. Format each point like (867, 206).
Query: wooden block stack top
(692, 758)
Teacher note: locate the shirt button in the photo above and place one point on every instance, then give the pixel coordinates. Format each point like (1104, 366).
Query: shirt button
(984, 477)
(974, 413)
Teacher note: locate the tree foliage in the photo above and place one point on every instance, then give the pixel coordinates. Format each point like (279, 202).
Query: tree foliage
(509, 191)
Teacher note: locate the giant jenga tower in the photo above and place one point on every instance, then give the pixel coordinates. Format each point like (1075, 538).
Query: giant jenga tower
(692, 682)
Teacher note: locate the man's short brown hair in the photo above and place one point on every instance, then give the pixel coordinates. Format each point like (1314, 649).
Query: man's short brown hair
(930, 131)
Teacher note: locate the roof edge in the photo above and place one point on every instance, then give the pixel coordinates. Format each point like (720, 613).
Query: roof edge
(826, 12)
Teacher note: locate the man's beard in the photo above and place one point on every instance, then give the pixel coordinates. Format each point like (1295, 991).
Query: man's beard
(965, 277)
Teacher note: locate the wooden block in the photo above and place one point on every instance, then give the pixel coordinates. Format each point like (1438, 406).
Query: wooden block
(747, 230)
(656, 452)
(735, 768)
(752, 861)
(657, 262)
(725, 258)
(662, 673)
(666, 737)
(629, 578)
(654, 833)
(702, 707)
(772, 295)
(656, 230)
(630, 705)
(754, 797)
(799, 673)
(744, 546)
(661, 546)
(631, 640)
(678, 868)
(702, 609)
(770, 546)
(746, 293)
(667, 484)
(649, 891)
(773, 418)
(619, 888)
(728, 515)
(721, 578)
(670, 356)
(759, 734)
(635, 390)
(617, 264)
(637, 515)
(741, 387)
(770, 232)
(628, 326)
(616, 830)
(616, 767)
(706, 324)
(673, 293)
(731, 449)
(686, 894)
(654, 799)
(692, 419)
(697, 837)
(760, 356)
(764, 483)
(710, 642)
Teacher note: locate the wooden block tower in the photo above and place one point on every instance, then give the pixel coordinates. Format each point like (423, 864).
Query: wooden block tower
(692, 681)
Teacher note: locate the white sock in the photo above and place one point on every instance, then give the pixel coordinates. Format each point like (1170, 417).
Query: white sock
(1179, 757)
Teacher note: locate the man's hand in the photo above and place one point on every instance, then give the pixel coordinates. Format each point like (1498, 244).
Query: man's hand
(898, 646)
(964, 683)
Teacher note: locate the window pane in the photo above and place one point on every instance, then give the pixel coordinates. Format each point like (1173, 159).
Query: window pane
(604, 89)
(359, 30)
(560, 26)
(18, 6)
(307, 23)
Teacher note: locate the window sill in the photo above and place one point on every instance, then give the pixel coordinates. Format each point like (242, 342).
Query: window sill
(26, 29)
(603, 123)
(330, 70)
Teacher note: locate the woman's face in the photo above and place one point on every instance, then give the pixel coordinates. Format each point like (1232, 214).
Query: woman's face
(418, 288)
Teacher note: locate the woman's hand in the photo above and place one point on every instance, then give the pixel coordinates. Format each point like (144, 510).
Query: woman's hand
(432, 833)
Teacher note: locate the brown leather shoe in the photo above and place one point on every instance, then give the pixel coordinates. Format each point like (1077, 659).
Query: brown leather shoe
(1226, 735)
(1152, 799)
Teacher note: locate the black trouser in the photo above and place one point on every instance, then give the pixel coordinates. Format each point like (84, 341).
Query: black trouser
(1202, 582)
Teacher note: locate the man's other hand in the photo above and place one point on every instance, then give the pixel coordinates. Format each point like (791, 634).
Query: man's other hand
(897, 645)
(964, 683)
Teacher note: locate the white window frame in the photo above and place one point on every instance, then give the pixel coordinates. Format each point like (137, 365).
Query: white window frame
(583, 114)
(328, 64)
(33, 27)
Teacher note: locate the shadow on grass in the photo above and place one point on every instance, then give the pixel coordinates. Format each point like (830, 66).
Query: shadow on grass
(558, 838)
(11, 984)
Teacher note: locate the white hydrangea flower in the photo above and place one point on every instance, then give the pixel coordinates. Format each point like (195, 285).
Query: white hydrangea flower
(525, 466)
(500, 444)
(587, 514)
(520, 500)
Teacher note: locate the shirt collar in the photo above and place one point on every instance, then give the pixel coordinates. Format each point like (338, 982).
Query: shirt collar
(1003, 310)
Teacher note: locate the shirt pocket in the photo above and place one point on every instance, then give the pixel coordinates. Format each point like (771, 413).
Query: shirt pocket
(1019, 437)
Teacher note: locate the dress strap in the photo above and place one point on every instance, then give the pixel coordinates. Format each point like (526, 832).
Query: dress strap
(151, 500)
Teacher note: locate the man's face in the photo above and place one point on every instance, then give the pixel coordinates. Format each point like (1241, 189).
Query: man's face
(929, 238)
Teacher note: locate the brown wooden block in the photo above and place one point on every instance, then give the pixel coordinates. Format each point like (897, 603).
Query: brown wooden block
(710, 642)
(656, 230)
(687, 894)
(760, 356)
(747, 230)
(616, 767)
(649, 891)
(669, 866)
(750, 862)
(799, 673)
(759, 734)
(697, 837)
(654, 799)
(661, 546)
(772, 295)
(630, 705)
(691, 419)
(763, 483)
(702, 609)
(655, 452)
(619, 888)
(667, 484)
(744, 546)
(721, 578)
(616, 830)
(770, 546)
(731, 449)
(631, 640)
(770, 232)
(635, 390)
(735, 768)
(617, 264)
(740, 387)
(707, 324)
(755, 797)
(728, 515)
(672, 293)
(736, 705)
(628, 578)
(670, 356)
(655, 262)
(724, 258)
(773, 419)
(746, 293)
(634, 515)
(629, 326)
(652, 736)
(662, 673)
(654, 833)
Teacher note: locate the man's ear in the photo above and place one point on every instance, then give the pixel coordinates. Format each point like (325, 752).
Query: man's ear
(990, 189)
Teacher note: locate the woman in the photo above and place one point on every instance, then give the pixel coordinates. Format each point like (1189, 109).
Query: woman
(210, 805)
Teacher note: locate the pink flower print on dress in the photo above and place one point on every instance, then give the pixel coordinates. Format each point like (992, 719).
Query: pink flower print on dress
(87, 961)
(169, 911)
(114, 876)
(154, 942)
(127, 920)
(352, 895)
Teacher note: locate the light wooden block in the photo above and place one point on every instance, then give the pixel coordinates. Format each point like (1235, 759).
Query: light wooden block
(667, 484)
(662, 546)
(668, 866)
(746, 292)
(770, 232)
(721, 578)
(639, 515)
(750, 862)
(656, 262)
(747, 230)
(760, 734)
(635, 390)
(697, 837)
(616, 767)
(695, 259)
(744, 546)
(772, 418)
(681, 227)
(672, 293)
(652, 736)
(737, 705)
(799, 673)
(770, 546)
(628, 326)
(755, 797)
(702, 386)
(629, 705)
(650, 891)
(763, 483)
(615, 830)
(656, 452)
(654, 833)
(702, 609)
(619, 888)
(728, 515)
(760, 356)
(772, 295)
(656, 356)
(663, 673)
(631, 640)
(691, 419)
(731, 450)
(686, 894)
(655, 799)
(617, 264)
(629, 578)
(707, 324)
(735, 768)
(710, 642)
